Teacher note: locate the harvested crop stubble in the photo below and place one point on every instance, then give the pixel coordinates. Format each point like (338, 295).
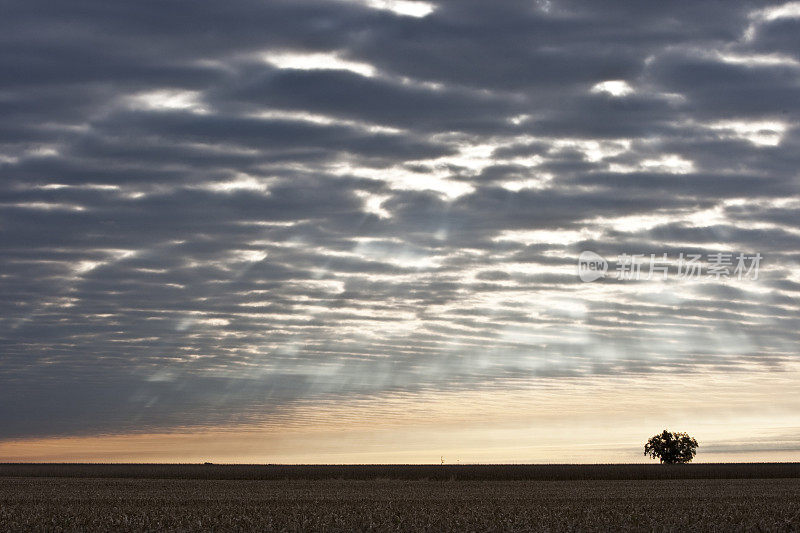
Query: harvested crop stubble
(398, 505)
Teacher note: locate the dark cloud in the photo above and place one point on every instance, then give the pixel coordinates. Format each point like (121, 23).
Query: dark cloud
(375, 101)
(778, 36)
(192, 233)
(715, 87)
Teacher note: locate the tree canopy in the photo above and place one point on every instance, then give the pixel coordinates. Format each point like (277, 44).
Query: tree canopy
(671, 448)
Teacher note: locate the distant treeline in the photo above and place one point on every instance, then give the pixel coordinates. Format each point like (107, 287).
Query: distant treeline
(500, 472)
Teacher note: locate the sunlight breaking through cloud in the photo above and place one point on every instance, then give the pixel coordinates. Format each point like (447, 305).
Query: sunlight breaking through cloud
(265, 214)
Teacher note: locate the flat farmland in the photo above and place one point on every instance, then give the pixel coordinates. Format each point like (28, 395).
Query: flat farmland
(398, 501)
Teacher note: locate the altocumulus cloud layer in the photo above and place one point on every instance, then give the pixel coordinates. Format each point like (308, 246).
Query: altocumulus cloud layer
(211, 211)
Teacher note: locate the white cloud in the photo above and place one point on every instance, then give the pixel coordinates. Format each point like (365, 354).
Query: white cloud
(408, 8)
(616, 88)
(758, 132)
(316, 61)
(167, 99)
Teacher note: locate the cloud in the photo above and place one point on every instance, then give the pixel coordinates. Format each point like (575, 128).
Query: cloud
(210, 214)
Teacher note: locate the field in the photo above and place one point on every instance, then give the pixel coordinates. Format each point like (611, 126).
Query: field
(400, 498)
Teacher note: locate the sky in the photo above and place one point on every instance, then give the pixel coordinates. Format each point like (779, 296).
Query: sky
(349, 231)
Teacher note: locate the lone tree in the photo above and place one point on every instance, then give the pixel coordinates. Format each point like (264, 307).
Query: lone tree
(671, 448)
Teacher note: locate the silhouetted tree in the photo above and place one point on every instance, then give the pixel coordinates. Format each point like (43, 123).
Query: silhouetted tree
(671, 448)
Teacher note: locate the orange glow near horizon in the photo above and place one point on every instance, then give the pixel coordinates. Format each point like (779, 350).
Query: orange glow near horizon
(744, 417)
